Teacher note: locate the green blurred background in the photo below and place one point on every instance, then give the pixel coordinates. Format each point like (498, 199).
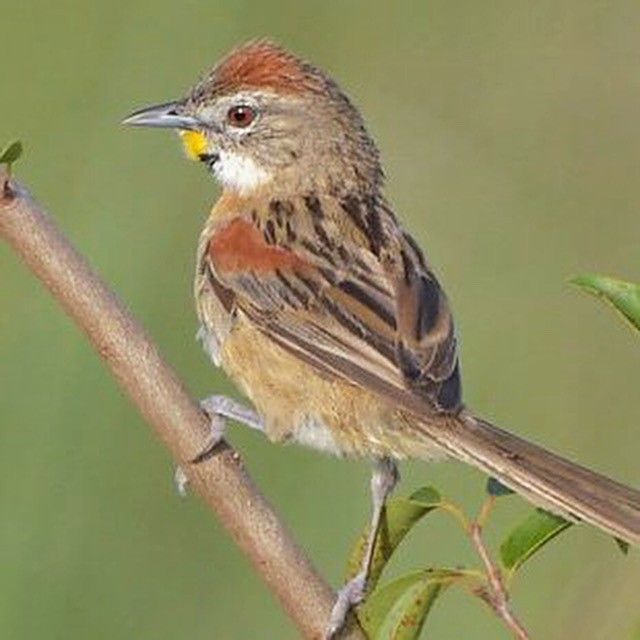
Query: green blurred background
(511, 136)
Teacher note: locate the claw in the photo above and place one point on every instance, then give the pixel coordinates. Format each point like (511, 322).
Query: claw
(217, 427)
(350, 595)
(180, 482)
(218, 408)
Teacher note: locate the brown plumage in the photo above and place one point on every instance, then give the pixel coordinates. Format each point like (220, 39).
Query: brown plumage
(316, 301)
(260, 65)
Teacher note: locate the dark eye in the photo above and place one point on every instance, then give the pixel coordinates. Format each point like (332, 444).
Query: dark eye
(241, 115)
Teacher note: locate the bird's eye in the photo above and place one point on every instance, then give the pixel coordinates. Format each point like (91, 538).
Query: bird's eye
(241, 115)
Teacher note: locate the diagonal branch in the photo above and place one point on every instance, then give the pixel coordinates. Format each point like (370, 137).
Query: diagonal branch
(176, 418)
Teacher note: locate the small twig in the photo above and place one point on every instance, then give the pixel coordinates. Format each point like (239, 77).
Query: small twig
(177, 419)
(458, 514)
(496, 596)
(485, 511)
(492, 591)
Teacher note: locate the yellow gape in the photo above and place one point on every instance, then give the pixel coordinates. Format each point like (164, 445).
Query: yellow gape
(195, 144)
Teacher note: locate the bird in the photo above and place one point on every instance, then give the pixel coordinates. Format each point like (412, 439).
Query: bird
(319, 304)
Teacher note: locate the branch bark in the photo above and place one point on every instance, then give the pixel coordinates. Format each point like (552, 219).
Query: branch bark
(176, 418)
(496, 596)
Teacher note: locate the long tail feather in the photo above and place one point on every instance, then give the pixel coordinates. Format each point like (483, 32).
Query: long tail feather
(544, 478)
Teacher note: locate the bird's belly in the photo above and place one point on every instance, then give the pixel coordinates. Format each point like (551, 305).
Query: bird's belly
(301, 405)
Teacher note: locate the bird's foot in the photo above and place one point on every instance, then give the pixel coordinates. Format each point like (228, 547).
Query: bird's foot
(218, 409)
(350, 595)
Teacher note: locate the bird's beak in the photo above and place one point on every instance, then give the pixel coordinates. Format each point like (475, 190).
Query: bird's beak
(166, 115)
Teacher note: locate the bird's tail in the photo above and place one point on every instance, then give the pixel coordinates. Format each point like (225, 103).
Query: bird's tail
(544, 478)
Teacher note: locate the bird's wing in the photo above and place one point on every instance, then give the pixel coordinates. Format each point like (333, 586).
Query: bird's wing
(347, 291)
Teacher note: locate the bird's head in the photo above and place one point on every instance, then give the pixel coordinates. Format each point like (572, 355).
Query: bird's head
(262, 117)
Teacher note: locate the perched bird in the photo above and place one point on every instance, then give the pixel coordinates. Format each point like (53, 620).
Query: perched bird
(323, 309)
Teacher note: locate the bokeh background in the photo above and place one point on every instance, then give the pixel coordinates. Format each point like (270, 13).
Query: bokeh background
(511, 138)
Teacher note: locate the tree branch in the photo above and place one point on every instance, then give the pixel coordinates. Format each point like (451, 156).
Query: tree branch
(496, 596)
(176, 418)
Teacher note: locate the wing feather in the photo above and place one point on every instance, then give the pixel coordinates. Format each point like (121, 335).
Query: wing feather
(365, 308)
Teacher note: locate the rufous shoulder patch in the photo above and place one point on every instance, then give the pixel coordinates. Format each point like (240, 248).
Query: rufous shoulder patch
(240, 247)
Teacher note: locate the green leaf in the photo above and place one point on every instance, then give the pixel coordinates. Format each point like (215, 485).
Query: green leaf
(530, 536)
(11, 152)
(399, 516)
(496, 488)
(427, 497)
(623, 296)
(398, 610)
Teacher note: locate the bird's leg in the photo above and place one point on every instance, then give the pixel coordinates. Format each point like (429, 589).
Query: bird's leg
(219, 409)
(383, 480)
(224, 407)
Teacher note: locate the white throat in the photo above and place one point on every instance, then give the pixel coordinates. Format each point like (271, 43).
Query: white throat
(239, 173)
